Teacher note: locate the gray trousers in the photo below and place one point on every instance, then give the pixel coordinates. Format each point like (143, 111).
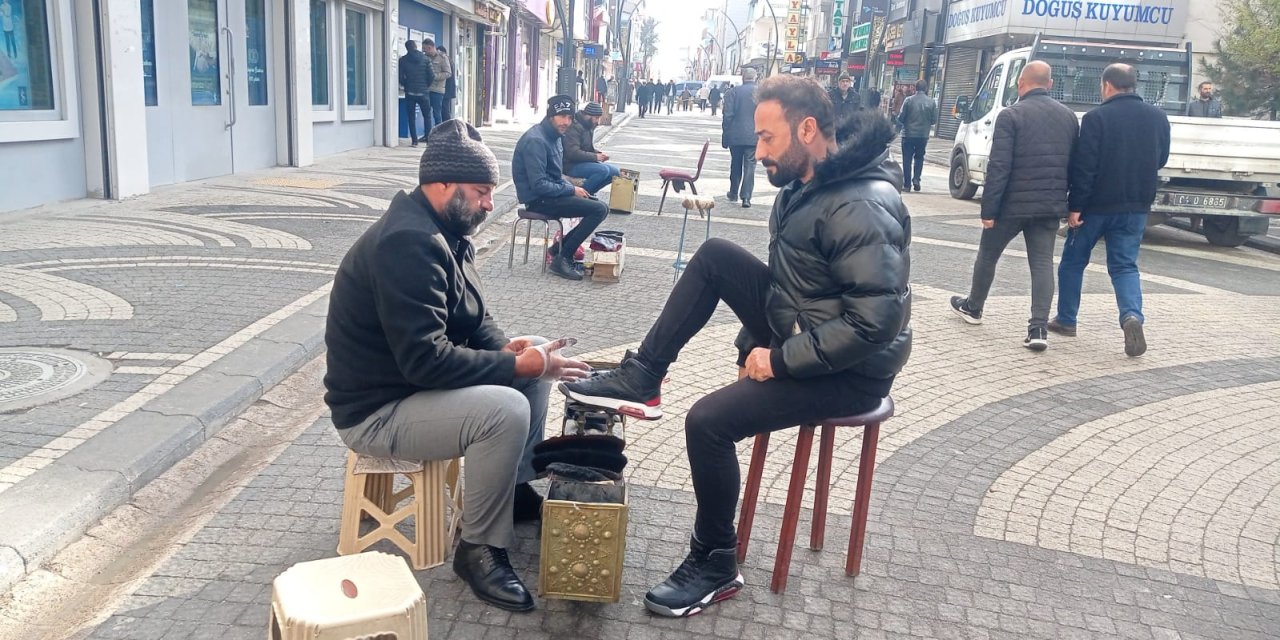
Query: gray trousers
(1040, 234)
(493, 427)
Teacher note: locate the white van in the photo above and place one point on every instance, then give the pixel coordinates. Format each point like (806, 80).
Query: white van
(723, 80)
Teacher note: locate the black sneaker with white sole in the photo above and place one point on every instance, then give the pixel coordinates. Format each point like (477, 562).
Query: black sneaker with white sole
(706, 577)
(1037, 339)
(961, 308)
(631, 390)
(1135, 341)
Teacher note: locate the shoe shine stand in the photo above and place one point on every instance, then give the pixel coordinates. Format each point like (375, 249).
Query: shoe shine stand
(584, 543)
(703, 205)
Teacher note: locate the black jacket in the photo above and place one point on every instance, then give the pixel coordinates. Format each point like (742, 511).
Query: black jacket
(845, 105)
(579, 143)
(1210, 108)
(416, 75)
(1124, 142)
(537, 165)
(406, 314)
(1030, 164)
(839, 263)
(738, 128)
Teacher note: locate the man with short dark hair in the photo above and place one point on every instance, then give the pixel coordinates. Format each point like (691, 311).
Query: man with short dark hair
(416, 78)
(826, 323)
(418, 370)
(1025, 193)
(1206, 105)
(581, 159)
(1124, 142)
(845, 100)
(644, 96)
(738, 135)
(537, 169)
(441, 71)
(919, 113)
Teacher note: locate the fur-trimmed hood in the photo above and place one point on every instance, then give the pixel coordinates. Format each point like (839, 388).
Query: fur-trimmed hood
(865, 152)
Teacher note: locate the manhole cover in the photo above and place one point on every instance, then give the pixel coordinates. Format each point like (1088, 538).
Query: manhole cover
(32, 377)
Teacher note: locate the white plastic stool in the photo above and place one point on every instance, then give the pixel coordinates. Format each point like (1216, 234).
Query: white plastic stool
(367, 595)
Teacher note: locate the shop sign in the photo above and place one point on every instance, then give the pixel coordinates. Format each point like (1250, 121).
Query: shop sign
(895, 58)
(893, 36)
(826, 67)
(1154, 21)
(837, 21)
(489, 13)
(793, 30)
(861, 40)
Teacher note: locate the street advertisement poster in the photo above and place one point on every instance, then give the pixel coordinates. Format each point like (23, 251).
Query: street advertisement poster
(202, 29)
(1149, 21)
(26, 80)
(255, 42)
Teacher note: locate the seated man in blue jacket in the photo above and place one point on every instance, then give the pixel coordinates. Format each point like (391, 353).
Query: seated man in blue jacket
(537, 168)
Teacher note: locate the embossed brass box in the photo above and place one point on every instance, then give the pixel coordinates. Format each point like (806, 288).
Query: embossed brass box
(583, 544)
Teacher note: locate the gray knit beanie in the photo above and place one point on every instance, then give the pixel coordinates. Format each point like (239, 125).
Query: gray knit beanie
(455, 153)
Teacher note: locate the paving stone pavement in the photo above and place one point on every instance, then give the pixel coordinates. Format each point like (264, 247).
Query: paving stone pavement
(1074, 493)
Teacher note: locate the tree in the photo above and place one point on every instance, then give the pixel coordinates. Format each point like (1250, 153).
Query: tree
(1247, 72)
(648, 41)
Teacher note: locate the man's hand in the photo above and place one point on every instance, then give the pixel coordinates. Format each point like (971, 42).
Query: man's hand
(580, 192)
(1073, 220)
(518, 345)
(988, 224)
(602, 157)
(759, 368)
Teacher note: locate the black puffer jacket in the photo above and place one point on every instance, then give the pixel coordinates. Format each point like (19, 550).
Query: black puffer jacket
(840, 262)
(416, 75)
(1030, 164)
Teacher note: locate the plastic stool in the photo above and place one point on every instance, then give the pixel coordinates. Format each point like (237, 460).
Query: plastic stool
(367, 595)
(370, 489)
(530, 217)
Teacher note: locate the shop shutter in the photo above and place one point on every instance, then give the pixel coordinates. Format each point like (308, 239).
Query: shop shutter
(959, 79)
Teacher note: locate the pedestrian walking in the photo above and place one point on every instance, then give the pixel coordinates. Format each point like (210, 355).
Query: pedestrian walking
(845, 100)
(1206, 105)
(644, 96)
(1124, 142)
(416, 77)
(442, 71)
(714, 98)
(1025, 193)
(738, 135)
(671, 95)
(602, 89)
(918, 115)
(659, 92)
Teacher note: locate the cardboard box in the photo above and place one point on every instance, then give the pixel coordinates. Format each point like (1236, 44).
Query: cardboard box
(607, 265)
(583, 546)
(623, 191)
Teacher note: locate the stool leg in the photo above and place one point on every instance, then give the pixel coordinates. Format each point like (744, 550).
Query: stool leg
(528, 237)
(546, 243)
(665, 185)
(862, 499)
(352, 496)
(511, 255)
(791, 513)
(429, 537)
(752, 494)
(694, 188)
(826, 448)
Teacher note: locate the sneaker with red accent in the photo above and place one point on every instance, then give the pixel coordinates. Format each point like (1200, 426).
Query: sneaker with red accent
(631, 390)
(706, 577)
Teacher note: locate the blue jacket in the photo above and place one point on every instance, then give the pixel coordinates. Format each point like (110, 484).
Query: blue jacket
(537, 166)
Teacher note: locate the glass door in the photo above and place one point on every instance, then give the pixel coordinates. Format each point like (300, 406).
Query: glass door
(250, 31)
(205, 114)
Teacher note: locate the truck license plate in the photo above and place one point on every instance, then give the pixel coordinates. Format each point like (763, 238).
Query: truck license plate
(1210, 202)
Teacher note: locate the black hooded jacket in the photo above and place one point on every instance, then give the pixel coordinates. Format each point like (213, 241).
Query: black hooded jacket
(840, 265)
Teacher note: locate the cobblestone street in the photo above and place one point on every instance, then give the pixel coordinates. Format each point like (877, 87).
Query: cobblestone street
(1074, 493)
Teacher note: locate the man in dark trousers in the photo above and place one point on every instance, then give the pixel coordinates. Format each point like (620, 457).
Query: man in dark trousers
(1025, 193)
(416, 78)
(659, 91)
(1124, 142)
(738, 135)
(442, 71)
(845, 100)
(602, 89)
(919, 113)
(537, 169)
(644, 96)
(826, 323)
(1206, 105)
(418, 370)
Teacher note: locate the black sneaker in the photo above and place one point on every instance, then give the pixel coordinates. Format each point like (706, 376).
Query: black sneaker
(916, 186)
(1068, 330)
(1135, 341)
(1037, 339)
(631, 390)
(732, 197)
(706, 577)
(564, 268)
(746, 204)
(961, 308)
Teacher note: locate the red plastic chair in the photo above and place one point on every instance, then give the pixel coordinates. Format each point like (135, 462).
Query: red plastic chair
(795, 491)
(682, 177)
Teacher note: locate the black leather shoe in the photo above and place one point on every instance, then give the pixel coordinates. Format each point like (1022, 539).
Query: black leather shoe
(562, 267)
(746, 204)
(488, 572)
(528, 504)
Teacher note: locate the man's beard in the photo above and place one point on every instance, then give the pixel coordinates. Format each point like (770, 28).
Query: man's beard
(459, 218)
(791, 166)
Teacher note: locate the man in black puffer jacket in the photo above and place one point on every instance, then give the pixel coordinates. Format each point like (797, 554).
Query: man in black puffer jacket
(1025, 192)
(826, 323)
(416, 77)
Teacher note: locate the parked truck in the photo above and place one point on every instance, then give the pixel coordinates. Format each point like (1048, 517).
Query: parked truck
(1223, 173)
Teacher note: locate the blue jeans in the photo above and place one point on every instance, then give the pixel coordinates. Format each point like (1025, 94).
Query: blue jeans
(598, 175)
(437, 106)
(1123, 233)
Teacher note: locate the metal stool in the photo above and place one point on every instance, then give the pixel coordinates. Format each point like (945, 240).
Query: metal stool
(795, 491)
(703, 205)
(530, 217)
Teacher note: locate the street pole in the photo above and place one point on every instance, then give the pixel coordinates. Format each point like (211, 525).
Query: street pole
(774, 53)
(566, 80)
(737, 36)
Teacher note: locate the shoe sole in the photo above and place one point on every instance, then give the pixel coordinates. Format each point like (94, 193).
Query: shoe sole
(723, 593)
(1036, 345)
(966, 317)
(1135, 341)
(634, 409)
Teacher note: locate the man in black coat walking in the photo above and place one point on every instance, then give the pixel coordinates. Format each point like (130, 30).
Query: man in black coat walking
(1124, 143)
(845, 100)
(1026, 192)
(738, 135)
(416, 77)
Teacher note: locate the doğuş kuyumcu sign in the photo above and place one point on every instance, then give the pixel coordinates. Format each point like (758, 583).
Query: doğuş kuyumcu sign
(1154, 21)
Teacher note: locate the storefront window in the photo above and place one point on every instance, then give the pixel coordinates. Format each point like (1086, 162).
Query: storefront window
(149, 53)
(202, 35)
(357, 59)
(26, 70)
(255, 45)
(319, 53)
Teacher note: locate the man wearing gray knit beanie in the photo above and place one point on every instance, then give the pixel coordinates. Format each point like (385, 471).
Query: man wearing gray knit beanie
(418, 370)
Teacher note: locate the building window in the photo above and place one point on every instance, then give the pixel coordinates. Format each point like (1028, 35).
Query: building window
(149, 53)
(357, 59)
(255, 46)
(202, 35)
(319, 53)
(26, 70)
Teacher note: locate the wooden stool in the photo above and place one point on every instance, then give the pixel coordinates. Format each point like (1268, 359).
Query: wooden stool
(370, 489)
(530, 217)
(795, 491)
(367, 595)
